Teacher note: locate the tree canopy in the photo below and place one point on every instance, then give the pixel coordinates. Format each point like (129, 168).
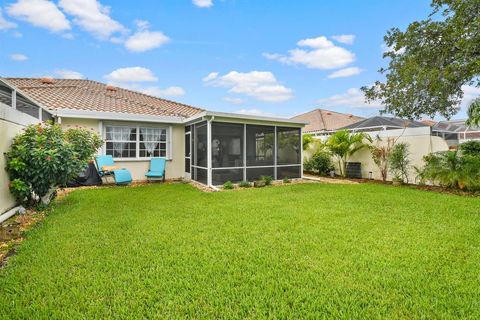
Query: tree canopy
(430, 61)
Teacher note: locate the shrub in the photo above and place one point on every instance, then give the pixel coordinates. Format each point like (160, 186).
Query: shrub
(343, 144)
(245, 184)
(399, 161)
(321, 163)
(451, 169)
(228, 185)
(267, 179)
(44, 157)
(286, 180)
(470, 148)
(381, 154)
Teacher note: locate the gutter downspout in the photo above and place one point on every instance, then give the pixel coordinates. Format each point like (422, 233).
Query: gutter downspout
(10, 213)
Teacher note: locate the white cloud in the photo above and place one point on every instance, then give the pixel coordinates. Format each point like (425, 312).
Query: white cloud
(233, 100)
(203, 3)
(256, 112)
(261, 85)
(167, 92)
(69, 74)
(40, 13)
(320, 53)
(142, 24)
(353, 98)
(18, 57)
(4, 24)
(343, 73)
(133, 78)
(146, 40)
(386, 49)
(469, 94)
(93, 17)
(143, 39)
(210, 76)
(345, 38)
(131, 74)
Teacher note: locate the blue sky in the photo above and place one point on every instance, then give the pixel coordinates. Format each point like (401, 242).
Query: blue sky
(274, 57)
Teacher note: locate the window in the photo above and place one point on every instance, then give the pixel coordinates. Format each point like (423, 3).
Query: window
(227, 145)
(200, 149)
(25, 106)
(131, 142)
(289, 146)
(153, 142)
(46, 116)
(260, 145)
(5, 95)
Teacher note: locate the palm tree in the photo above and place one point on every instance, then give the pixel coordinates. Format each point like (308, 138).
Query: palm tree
(473, 113)
(343, 144)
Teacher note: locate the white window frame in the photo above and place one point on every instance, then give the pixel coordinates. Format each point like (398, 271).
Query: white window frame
(137, 126)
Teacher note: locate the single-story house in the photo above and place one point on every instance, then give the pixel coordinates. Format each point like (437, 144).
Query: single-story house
(455, 131)
(206, 146)
(322, 122)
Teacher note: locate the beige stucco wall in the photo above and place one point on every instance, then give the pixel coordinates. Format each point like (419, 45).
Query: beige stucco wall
(420, 144)
(11, 123)
(175, 164)
(8, 130)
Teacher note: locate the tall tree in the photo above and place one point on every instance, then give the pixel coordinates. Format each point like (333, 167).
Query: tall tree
(431, 61)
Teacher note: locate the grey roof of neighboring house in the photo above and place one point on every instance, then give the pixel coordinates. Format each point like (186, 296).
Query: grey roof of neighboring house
(387, 122)
(453, 126)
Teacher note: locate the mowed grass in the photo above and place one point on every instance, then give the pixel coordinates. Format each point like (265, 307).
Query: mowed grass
(298, 251)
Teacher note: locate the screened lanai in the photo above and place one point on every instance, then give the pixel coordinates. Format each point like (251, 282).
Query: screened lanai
(227, 147)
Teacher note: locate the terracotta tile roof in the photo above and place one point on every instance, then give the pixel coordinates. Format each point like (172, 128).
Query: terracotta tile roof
(91, 95)
(325, 120)
(429, 122)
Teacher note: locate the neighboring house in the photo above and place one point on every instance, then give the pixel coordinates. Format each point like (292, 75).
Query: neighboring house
(455, 132)
(210, 147)
(418, 135)
(322, 122)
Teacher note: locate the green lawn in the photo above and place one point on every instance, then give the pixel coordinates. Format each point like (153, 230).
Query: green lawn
(298, 251)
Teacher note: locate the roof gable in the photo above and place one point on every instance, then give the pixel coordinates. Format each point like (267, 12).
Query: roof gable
(326, 120)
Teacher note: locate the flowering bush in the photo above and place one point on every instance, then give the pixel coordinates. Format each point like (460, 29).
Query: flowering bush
(45, 157)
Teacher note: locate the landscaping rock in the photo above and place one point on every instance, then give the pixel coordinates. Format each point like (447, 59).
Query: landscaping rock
(259, 184)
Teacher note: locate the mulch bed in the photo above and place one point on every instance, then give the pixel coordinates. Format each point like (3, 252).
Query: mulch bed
(26, 221)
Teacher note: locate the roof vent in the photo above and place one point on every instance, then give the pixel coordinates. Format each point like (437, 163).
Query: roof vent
(47, 80)
(110, 88)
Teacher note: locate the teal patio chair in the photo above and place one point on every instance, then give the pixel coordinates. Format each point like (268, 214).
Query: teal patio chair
(157, 169)
(106, 167)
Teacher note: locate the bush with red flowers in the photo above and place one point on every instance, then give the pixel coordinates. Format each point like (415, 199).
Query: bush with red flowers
(45, 157)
